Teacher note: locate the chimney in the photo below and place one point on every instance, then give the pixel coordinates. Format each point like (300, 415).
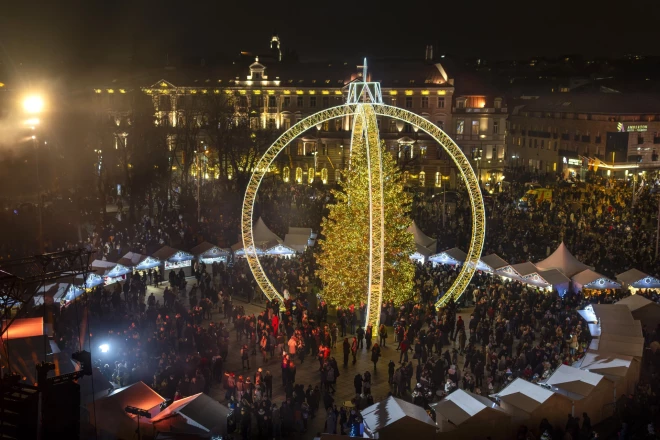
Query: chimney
(429, 53)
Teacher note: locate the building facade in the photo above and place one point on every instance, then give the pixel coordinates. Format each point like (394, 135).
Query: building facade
(556, 133)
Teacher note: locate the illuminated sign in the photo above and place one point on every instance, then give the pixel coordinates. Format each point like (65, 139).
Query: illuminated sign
(632, 128)
(577, 162)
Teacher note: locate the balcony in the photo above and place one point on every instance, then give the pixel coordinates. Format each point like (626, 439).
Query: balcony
(473, 110)
(271, 109)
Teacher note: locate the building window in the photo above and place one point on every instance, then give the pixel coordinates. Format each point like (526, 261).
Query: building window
(493, 153)
(259, 101)
(324, 175)
(286, 174)
(440, 124)
(299, 175)
(460, 103)
(460, 126)
(301, 149)
(392, 126)
(312, 101)
(271, 123)
(438, 179)
(287, 123)
(272, 102)
(324, 149)
(310, 174)
(409, 102)
(393, 102)
(338, 124)
(425, 102)
(407, 128)
(287, 102)
(422, 151)
(326, 102)
(475, 128)
(496, 127)
(326, 126)
(299, 101)
(422, 178)
(441, 102)
(498, 102)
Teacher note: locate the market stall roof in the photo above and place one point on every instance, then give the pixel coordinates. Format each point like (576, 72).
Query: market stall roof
(621, 329)
(554, 277)
(421, 250)
(635, 302)
(625, 345)
(460, 406)
(392, 410)
(138, 261)
(526, 268)
(109, 269)
(588, 314)
(564, 261)
(450, 256)
(593, 280)
(608, 364)
(172, 255)
(261, 233)
(613, 313)
(576, 382)
(239, 250)
(631, 276)
(421, 238)
(524, 395)
(208, 250)
(198, 412)
(298, 242)
(492, 262)
(277, 248)
(301, 231)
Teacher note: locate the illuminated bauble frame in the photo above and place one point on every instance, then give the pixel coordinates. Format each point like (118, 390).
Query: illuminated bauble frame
(364, 103)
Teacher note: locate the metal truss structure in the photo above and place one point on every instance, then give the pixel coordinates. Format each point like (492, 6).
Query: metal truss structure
(22, 279)
(364, 108)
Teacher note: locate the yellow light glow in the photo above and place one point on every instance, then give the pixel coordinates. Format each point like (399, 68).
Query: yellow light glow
(287, 92)
(338, 92)
(33, 104)
(163, 84)
(111, 91)
(216, 91)
(193, 91)
(271, 92)
(257, 92)
(312, 92)
(2, 85)
(325, 92)
(409, 92)
(99, 91)
(122, 91)
(242, 92)
(299, 92)
(425, 92)
(442, 92)
(393, 92)
(204, 91)
(32, 121)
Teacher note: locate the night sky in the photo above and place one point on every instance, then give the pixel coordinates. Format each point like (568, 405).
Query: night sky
(92, 32)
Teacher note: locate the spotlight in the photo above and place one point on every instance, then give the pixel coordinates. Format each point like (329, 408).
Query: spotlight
(104, 348)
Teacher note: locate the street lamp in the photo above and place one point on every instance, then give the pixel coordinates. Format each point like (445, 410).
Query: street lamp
(33, 104)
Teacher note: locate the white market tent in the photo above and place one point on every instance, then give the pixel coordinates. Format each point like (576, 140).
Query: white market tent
(621, 369)
(453, 257)
(307, 232)
(466, 415)
(620, 333)
(263, 239)
(298, 242)
(112, 419)
(239, 251)
(421, 254)
(613, 313)
(277, 248)
(588, 279)
(109, 271)
(561, 259)
(209, 253)
(421, 238)
(491, 263)
(625, 345)
(636, 279)
(138, 261)
(529, 404)
(588, 392)
(549, 279)
(195, 415)
(644, 310)
(394, 418)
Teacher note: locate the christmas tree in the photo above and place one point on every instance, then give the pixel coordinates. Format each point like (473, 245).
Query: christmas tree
(343, 257)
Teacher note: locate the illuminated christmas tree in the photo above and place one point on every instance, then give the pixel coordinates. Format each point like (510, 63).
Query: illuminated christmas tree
(343, 258)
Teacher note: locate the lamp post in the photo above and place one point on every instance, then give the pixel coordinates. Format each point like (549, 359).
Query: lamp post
(33, 105)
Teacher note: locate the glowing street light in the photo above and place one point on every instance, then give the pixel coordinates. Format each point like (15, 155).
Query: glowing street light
(33, 104)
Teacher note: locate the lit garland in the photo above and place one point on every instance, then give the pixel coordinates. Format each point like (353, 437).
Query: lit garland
(344, 251)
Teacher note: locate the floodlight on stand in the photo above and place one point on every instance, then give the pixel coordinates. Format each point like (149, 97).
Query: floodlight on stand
(104, 348)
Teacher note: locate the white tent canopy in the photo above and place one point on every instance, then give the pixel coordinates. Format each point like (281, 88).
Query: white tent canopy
(298, 242)
(392, 417)
(453, 256)
(193, 415)
(643, 309)
(574, 381)
(524, 269)
(593, 280)
(421, 238)
(490, 263)
(638, 279)
(461, 406)
(262, 234)
(562, 260)
(524, 395)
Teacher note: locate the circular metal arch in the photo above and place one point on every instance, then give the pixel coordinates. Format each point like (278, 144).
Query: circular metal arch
(454, 151)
